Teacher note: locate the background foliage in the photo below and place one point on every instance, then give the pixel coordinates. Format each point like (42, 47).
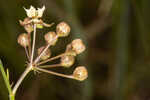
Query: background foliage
(117, 36)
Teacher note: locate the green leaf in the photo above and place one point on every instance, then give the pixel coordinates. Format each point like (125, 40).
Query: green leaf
(7, 71)
(5, 77)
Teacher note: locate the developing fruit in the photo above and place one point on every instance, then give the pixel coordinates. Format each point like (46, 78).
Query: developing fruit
(80, 73)
(63, 29)
(23, 40)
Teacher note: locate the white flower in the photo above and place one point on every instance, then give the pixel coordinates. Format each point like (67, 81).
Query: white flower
(40, 11)
(33, 13)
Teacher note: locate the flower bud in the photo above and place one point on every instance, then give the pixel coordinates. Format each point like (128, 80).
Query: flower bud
(78, 46)
(68, 47)
(51, 38)
(63, 29)
(30, 12)
(28, 28)
(67, 61)
(69, 50)
(46, 54)
(25, 21)
(27, 24)
(80, 73)
(23, 40)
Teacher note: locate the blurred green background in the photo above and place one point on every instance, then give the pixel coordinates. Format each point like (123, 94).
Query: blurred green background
(117, 36)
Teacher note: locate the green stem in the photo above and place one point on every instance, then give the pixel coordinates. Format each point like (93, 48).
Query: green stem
(11, 97)
(5, 77)
(7, 83)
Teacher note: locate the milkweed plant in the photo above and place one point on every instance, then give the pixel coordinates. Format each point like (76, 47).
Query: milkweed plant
(37, 59)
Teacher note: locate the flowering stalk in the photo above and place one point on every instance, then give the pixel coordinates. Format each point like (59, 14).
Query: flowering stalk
(27, 70)
(29, 67)
(67, 59)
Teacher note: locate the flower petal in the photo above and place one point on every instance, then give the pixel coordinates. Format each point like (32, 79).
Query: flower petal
(40, 11)
(31, 12)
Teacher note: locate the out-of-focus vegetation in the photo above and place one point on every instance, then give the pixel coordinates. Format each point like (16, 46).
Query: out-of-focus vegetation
(117, 35)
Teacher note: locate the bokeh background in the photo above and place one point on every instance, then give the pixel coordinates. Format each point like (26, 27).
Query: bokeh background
(117, 36)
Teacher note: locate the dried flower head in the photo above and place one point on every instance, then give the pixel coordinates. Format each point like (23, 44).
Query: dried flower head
(46, 54)
(63, 29)
(78, 46)
(67, 61)
(51, 38)
(23, 40)
(80, 73)
(33, 13)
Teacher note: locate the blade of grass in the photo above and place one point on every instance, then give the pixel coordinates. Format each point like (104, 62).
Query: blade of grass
(7, 74)
(5, 77)
(6, 81)
(121, 28)
(73, 19)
